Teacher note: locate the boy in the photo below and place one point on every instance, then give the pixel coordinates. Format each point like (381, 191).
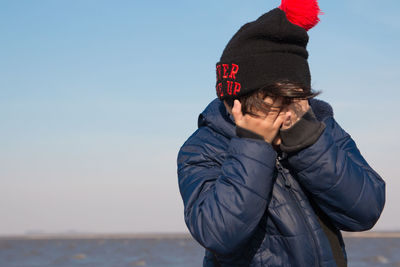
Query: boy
(270, 178)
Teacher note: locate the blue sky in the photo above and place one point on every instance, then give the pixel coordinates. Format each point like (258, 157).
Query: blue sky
(96, 97)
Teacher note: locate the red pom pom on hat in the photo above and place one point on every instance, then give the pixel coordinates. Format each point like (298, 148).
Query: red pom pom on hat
(303, 13)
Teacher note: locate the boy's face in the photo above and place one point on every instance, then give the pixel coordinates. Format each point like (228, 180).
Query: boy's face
(276, 108)
(293, 111)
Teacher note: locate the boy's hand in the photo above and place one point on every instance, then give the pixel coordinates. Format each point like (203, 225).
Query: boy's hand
(294, 112)
(267, 125)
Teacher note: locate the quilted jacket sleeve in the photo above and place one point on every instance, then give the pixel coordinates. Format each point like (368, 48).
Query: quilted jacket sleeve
(339, 179)
(224, 197)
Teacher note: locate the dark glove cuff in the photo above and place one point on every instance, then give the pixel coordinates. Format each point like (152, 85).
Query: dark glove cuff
(302, 134)
(244, 133)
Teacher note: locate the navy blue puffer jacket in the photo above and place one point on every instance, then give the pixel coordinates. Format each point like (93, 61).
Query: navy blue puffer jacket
(249, 206)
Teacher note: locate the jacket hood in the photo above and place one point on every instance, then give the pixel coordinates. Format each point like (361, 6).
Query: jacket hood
(219, 119)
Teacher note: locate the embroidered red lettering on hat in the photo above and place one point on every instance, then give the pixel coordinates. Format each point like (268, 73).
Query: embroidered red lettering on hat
(219, 90)
(225, 70)
(234, 71)
(226, 73)
(219, 73)
(238, 86)
(229, 87)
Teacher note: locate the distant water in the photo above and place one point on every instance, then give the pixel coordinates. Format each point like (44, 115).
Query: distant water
(179, 252)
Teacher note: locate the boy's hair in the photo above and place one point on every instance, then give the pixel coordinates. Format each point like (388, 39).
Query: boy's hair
(254, 102)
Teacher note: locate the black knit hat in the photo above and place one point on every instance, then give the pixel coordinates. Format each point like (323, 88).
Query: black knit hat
(269, 50)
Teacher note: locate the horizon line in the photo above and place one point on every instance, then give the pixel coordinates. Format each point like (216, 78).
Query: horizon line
(162, 235)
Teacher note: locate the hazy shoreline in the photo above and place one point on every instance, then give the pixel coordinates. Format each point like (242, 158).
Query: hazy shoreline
(45, 236)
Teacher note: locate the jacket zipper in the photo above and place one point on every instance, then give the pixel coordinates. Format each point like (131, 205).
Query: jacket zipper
(288, 185)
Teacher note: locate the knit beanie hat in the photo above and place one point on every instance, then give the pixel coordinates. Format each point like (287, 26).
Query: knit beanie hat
(269, 50)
